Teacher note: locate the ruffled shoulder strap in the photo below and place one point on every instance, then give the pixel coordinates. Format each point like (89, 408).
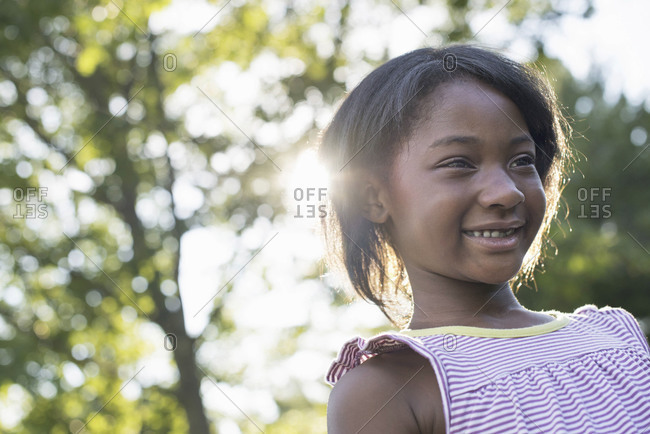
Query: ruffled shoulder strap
(358, 350)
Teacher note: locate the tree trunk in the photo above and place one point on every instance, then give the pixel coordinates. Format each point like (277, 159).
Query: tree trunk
(188, 392)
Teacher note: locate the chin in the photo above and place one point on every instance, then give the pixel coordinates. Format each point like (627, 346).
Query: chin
(492, 281)
(497, 276)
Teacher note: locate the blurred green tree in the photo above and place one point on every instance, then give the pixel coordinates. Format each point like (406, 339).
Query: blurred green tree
(86, 113)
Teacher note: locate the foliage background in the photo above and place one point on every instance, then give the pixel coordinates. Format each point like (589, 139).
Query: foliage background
(146, 124)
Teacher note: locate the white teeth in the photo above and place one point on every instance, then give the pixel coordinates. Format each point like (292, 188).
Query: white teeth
(492, 234)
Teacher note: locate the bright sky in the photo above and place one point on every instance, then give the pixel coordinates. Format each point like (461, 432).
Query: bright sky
(615, 38)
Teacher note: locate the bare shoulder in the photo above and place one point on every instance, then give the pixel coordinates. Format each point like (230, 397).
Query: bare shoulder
(395, 392)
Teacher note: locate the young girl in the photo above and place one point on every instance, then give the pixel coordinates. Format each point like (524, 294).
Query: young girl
(447, 167)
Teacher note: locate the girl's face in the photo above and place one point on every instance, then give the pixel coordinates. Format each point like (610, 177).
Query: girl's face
(465, 200)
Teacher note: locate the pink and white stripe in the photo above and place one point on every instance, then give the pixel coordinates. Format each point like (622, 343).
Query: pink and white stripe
(590, 376)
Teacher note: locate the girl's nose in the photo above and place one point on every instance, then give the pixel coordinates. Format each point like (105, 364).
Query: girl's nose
(498, 189)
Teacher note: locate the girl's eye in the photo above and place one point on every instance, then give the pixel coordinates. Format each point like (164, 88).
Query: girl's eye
(525, 160)
(457, 164)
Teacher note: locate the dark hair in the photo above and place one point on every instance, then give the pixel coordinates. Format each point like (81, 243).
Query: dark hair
(368, 131)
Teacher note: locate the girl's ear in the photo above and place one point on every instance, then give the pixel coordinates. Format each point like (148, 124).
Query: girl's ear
(374, 197)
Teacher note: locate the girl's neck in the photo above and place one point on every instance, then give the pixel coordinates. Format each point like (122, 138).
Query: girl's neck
(441, 301)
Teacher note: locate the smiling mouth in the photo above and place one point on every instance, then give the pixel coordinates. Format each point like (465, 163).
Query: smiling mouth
(491, 233)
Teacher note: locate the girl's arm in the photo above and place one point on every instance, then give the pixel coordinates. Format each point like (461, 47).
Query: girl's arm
(390, 393)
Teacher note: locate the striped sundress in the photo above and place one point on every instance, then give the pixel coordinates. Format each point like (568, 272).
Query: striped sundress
(585, 372)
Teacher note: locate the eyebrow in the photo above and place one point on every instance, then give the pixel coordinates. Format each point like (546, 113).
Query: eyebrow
(473, 140)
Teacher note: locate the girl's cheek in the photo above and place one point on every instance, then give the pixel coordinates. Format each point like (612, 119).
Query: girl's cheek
(535, 186)
(537, 200)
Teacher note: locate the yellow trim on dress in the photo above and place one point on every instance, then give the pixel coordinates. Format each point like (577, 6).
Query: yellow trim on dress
(559, 322)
